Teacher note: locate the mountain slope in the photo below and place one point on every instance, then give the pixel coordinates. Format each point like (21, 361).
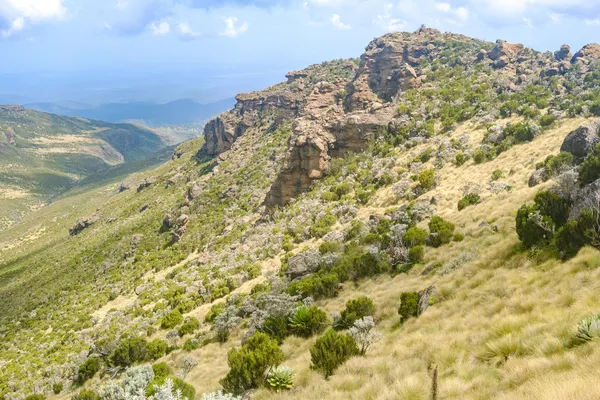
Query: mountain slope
(389, 175)
(43, 155)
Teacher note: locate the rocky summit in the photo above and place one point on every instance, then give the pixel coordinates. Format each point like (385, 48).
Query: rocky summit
(421, 222)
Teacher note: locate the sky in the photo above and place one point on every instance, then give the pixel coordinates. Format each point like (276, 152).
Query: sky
(112, 44)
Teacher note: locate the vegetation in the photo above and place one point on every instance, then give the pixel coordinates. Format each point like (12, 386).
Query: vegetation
(355, 310)
(409, 305)
(331, 350)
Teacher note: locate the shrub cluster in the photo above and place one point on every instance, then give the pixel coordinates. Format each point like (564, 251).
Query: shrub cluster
(355, 310)
(331, 350)
(440, 231)
(409, 305)
(469, 200)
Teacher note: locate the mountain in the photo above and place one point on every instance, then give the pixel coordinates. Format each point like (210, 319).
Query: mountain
(418, 223)
(43, 155)
(179, 112)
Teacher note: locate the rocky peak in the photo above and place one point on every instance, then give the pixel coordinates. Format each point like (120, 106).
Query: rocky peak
(588, 53)
(564, 53)
(11, 108)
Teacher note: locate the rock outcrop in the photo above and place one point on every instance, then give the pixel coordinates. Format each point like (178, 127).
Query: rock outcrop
(303, 264)
(581, 141)
(82, 224)
(564, 53)
(504, 53)
(588, 53)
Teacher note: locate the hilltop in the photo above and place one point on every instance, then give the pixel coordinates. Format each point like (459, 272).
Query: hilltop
(447, 179)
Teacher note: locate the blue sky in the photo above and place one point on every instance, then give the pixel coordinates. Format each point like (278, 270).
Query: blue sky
(246, 37)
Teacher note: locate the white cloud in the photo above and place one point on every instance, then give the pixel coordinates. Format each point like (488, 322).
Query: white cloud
(541, 11)
(455, 14)
(387, 22)
(15, 15)
(595, 21)
(323, 3)
(232, 29)
(186, 31)
(336, 20)
(160, 29)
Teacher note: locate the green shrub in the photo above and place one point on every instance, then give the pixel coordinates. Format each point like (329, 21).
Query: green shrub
(529, 230)
(469, 200)
(321, 285)
(130, 351)
(547, 120)
(329, 196)
(87, 370)
(276, 327)
(281, 378)
(57, 387)
(35, 397)
(331, 350)
(590, 169)
(190, 325)
(322, 225)
(364, 195)
(86, 395)
(171, 320)
(427, 179)
(308, 321)
(577, 233)
(249, 363)
(415, 236)
(522, 131)
(409, 305)
(156, 349)
(370, 264)
(588, 329)
(161, 370)
(215, 311)
(343, 189)
(416, 254)
(187, 390)
(479, 156)
(458, 237)
(355, 310)
(190, 345)
(461, 159)
(556, 164)
(330, 247)
(553, 206)
(497, 174)
(440, 231)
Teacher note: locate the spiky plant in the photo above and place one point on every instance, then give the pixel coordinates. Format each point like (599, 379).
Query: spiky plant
(589, 328)
(281, 378)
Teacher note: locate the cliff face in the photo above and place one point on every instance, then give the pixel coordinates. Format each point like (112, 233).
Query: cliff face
(339, 106)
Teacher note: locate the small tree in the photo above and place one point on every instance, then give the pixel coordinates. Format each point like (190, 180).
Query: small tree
(171, 320)
(249, 364)
(331, 350)
(363, 334)
(355, 310)
(409, 305)
(308, 321)
(441, 231)
(87, 370)
(156, 349)
(130, 351)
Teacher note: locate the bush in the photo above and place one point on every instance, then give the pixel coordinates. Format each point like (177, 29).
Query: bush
(171, 320)
(330, 247)
(321, 285)
(522, 131)
(187, 390)
(281, 378)
(57, 387)
(577, 233)
(409, 305)
(479, 156)
(588, 329)
(35, 397)
(161, 370)
(370, 264)
(427, 179)
(249, 364)
(276, 327)
(87, 370)
(156, 349)
(190, 345)
(590, 169)
(190, 325)
(458, 237)
(308, 321)
(329, 196)
(416, 254)
(322, 225)
(440, 231)
(364, 195)
(343, 189)
(214, 312)
(415, 236)
(461, 159)
(86, 395)
(331, 350)
(355, 310)
(556, 164)
(130, 351)
(553, 206)
(469, 200)
(497, 174)
(547, 120)
(529, 229)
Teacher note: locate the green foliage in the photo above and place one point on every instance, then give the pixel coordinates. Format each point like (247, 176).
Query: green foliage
(276, 327)
(577, 233)
(427, 179)
(415, 236)
(479, 156)
(416, 254)
(330, 247)
(321, 285)
(590, 169)
(370, 264)
(529, 230)
(355, 310)
(588, 329)
(57, 387)
(497, 174)
(187, 390)
(440, 231)
(215, 311)
(190, 325)
(308, 321)
(556, 164)
(156, 349)
(343, 189)
(129, 351)
(409, 305)
(35, 397)
(249, 363)
(547, 120)
(171, 320)
(86, 395)
(87, 370)
(521, 131)
(331, 350)
(281, 378)
(161, 370)
(460, 159)
(322, 225)
(551, 205)
(329, 196)
(468, 200)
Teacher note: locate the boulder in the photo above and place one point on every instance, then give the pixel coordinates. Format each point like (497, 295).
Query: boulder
(564, 53)
(581, 141)
(538, 177)
(303, 264)
(424, 296)
(123, 187)
(588, 53)
(504, 50)
(82, 224)
(482, 55)
(145, 183)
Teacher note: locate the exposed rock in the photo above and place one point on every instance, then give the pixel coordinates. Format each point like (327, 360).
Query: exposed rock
(588, 53)
(174, 179)
(295, 75)
(335, 236)
(10, 136)
(123, 187)
(303, 264)
(581, 141)
(219, 134)
(144, 207)
(146, 183)
(564, 53)
(12, 108)
(179, 227)
(538, 177)
(82, 224)
(504, 53)
(424, 296)
(482, 55)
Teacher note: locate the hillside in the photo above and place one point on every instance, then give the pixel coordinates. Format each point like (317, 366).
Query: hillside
(43, 155)
(449, 180)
